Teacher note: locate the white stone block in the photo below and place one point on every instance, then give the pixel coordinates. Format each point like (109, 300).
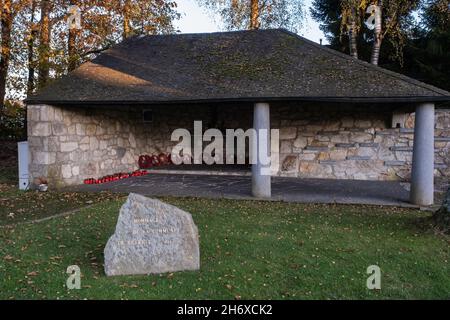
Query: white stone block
(66, 171)
(71, 130)
(76, 171)
(81, 129)
(69, 146)
(286, 147)
(58, 115)
(41, 129)
(301, 142)
(132, 140)
(93, 142)
(33, 114)
(47, 113)
(44, 157)
(85, 140)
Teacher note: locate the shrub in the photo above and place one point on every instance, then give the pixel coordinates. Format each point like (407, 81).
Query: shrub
(13, 121)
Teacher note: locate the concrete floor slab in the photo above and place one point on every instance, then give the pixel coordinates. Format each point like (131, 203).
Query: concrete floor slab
(389, 193)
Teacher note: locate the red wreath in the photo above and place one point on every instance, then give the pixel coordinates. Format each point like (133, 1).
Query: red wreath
(163, 160)
(143, 162)
(155, 161)
(116, 177)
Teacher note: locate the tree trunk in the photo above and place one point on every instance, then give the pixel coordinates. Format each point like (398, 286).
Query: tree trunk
(126, 19)
(30, 45)
(44, 44)
(72, 51)
(72, 46)
(254, 14)
(5, 55)
(378, 34)
(353, 34)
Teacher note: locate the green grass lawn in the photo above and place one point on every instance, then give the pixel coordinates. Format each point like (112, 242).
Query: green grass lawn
(249, 250)
(18, 206)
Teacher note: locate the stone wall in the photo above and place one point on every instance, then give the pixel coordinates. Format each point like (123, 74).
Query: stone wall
(70, 144)
(325, 142)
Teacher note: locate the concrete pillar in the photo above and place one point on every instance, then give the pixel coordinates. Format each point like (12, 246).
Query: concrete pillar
(422, 176)
(261, 179)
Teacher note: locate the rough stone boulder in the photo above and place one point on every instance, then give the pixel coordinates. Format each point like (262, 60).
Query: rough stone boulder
(152, 237)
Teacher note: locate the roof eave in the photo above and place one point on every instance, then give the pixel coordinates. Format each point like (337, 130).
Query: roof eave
(416, 99)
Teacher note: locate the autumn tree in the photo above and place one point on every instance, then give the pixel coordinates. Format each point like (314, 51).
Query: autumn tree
(342, 22)
(38, 45)
(351, 23)
(394, 21)
(393, 24)
(377, 16)
(44, 43)
(7, 17)
(32, 35)
(73, 34)
(255, 14)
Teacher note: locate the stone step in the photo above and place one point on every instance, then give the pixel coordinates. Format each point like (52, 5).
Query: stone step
(403, 149)
(387, 132)
(345, 145)
(407, 130)
(316, 149)
(331, 162)
(394, 163)
(369, 145)
(442, 139)
(359, 158)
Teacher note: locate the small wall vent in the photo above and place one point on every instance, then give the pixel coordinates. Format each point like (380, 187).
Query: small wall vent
(147, 116)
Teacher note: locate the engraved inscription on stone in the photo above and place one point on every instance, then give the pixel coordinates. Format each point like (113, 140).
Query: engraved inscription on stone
(152, 237)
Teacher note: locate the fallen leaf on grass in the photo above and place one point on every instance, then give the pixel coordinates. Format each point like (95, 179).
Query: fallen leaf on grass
(56, 258)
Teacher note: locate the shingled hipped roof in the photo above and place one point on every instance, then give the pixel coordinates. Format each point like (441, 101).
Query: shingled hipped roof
(263, 65)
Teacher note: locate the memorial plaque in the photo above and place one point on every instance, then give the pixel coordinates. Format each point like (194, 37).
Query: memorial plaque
(152, 237)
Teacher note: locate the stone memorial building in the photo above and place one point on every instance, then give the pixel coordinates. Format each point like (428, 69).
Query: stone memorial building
(338, 117)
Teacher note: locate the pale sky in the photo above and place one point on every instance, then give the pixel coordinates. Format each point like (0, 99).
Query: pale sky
(195, 19)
